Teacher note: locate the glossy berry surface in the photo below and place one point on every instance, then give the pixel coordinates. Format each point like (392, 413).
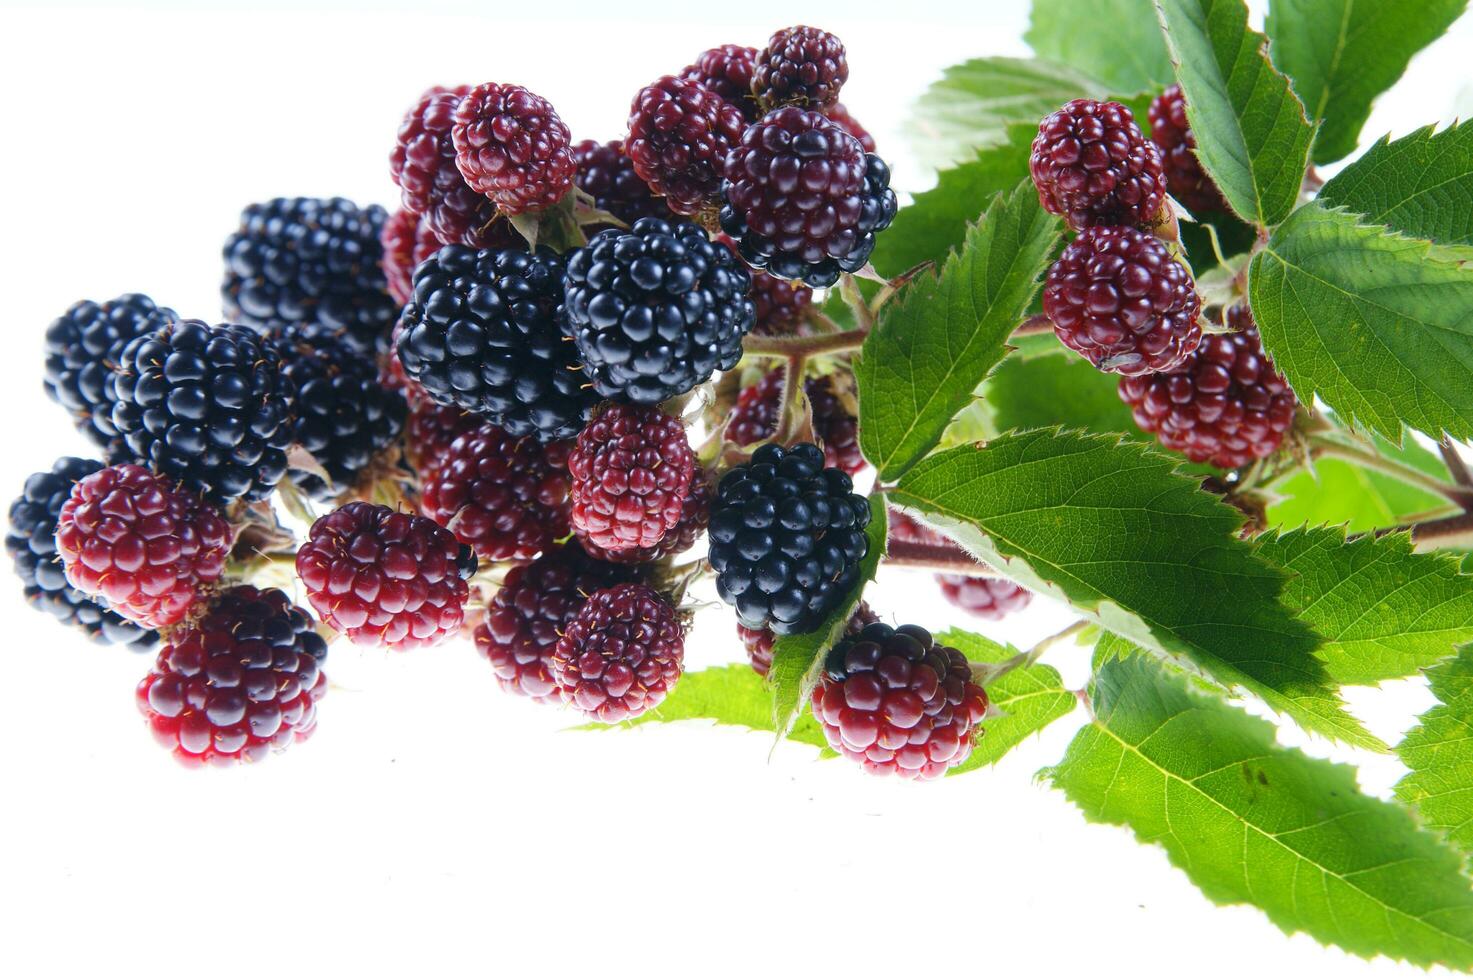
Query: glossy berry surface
(841, 115)
(632, 470)
(385, 578)
(899, 703)
(407, 240)
(782, 306)
(423, 167)
(607, 174)
(620, 654)
(758, 643)
(679, 133)
(238, 685)
(511, 145)
(656, 310)
(1226, 404)
(695, 515)
(786, 538)
(1092, 166)
(757, 409)
(802, 66)
(1185, 179)
(1117, 297)
(984, 596)
(431, 429)
(140, 544)
(727, 71)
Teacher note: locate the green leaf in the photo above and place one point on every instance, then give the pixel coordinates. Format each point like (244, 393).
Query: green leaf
(1374, 323)
(796, 659)
(1252, 136)
(1339, 492)
(1420, 185)
(1028, 699)
(1251, 822)
(936, 341)
(1113, 529)
(1116, 41)
(1036, 392)
(1341, 54)
(1439, 753)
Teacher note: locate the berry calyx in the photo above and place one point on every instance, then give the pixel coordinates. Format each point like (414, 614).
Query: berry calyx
(802, 66)
(607, 174)
(758, 407)
(1186, 180)
(1092, 166)
(620, 655)
(632, 470)
(511, 145)
(679, 133)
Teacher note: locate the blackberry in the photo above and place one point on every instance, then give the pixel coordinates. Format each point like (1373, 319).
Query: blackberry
(758, 643)
(782, 306)
(756, 414)
(727, 71)
(344, 417)
(1117, 297)
(620, 655)
(984, 595)
(787, 537)
(511, 145)
(431, 429)
(606, 174)
(655, 311)
(30, 539)
(238, 685)
(305, 260)
(802, 199)
(82, 345)
(899, 703)
(1185, 179)
(407, 241)
(679, 132)
(484, 332)
(1092, 166)
(208, 405)
(695, 515)
(1225, 404)
(802, 66)
(632, 470)
(840, 114)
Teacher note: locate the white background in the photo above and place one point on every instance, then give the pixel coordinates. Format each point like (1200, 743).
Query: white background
(435, 826)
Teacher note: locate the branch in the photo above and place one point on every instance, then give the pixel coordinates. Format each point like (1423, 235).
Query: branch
(1455, 465)
(1038, 323)
(1444, 532)
(1460, 495)
(947, 558)
(804, 347)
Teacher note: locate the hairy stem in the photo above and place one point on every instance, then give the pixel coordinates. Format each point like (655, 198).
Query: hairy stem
(945, 557)
(1038, 323)
(1371, 460)
(1455, 464)
(805, 347)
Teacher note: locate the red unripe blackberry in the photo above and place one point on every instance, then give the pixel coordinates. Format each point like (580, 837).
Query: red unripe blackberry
(385, 578)
(140, 544)
(802, 66)
(754, 419)
(782, 306)
(727, 71)
(899, 703)
(839, 113)
(511, 145)
(430, 430)
(528, 614)
(1185, 178)
(984, 595)
(1118, 297)
(407, 240)
(695, 516)
(607, 174)
(679, 133)
(1092, 166)
(620, 655)
(1225, 404)
(632, 468)
(759, 642)
(241, 683)
(504, 496)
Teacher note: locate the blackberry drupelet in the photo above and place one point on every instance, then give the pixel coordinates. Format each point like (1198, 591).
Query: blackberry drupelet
(695, 515)
(802, 66)
(679, 133)
(758, 643)
(840, 114)
(758, 407)
(407, 241)
(727, 71)
(606, 174)
(620, 655)
(1186, 180)
(632, 469)
(511, 145)
(984, 595)
(1092, 166)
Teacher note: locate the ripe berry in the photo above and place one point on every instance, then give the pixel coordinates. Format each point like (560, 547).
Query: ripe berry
(984, 595)
(511, 145)
(241, 683)
(802, 66)
(695, 515)
(1185, 178)
(1225, 404)
(1117, 297)
(620, 655)
(606, 173)
(757, 409)
(407, 241)
(679, 132)
(140, 544)
(759, 642)
(504, 496)
(1092, 166)
(727, 71)
(82, 345)
(839, 113)
(899, 703)
(787, 537)
(655, 311)
(30, 541)
(483, 331)
(802, 199)
(632, 470)
(530, 612)
(302, 260)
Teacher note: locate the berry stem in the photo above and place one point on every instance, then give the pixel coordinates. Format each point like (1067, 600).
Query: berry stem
(1445, 532)
(792, 394)
(1322, 447)
(1455, 464)
(1038, 323)
(805, 347)
(864, 314)
(985, 674)
(946, 557)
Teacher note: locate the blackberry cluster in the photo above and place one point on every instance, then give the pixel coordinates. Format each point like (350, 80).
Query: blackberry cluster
(727, 71)
(208, 405)
(607, 174)
(801, 66)
(632, 469)
(484, 332)
(679, 132)
(655, 311)
(620, 655)
(1185, 178)
(511, 145)
(82, 345)
(1092, 166)
(423, 167)
(303, 260)
(758, 407)
(30, 540)
(407, 241)
(787, 537)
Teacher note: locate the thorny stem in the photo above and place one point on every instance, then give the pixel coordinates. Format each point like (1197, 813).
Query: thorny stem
(1442, 533)
(792, 392)
(827, 343)
(1455, 464)
(985, 674)
(1038, 323)
(863, 314)
(945, 557)
(1460, 495)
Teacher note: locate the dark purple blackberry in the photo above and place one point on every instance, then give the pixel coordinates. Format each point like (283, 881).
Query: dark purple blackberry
(483, 332)
(206, 405)
(30, 540)
(679, 132)
(727, 71)
(607, 174)
(305, 260)
(787, 537)
(81, 346)
(802, 66)
(802, 199)
(345, 417)
(655, 311)
(1092, 166)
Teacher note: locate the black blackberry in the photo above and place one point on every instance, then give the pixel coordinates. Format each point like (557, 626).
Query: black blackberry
(345, 417)
(31, 541)
(310, 260)
(207, 405)
(655, 311)
(483, 332)
(81, 346)
(787, 536)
